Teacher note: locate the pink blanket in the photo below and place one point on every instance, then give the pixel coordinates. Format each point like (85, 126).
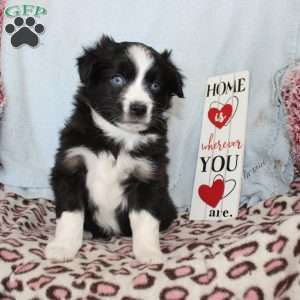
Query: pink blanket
(290, 93)
(255, 256)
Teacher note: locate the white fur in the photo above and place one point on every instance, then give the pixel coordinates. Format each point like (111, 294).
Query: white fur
(105, 175)
(145, 237)
(130, 140)
(132, 126)
(68, 237)
(136, 91)
(139, 166)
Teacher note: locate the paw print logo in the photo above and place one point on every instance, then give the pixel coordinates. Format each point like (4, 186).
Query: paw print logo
(24, 32)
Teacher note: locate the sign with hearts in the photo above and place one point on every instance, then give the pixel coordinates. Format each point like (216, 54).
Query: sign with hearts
(219, 117)
(217, 184)
(212, 195)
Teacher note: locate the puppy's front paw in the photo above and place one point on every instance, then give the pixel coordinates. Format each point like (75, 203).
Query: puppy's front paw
(58, 252)
(149, 256)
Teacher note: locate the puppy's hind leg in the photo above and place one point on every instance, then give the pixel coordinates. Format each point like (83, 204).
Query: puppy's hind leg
(68, 237)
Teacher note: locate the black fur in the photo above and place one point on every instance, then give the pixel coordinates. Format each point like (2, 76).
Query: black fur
(96, 67)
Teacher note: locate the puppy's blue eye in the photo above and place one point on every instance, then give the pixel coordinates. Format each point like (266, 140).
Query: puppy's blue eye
(155, 86)
(118, 81)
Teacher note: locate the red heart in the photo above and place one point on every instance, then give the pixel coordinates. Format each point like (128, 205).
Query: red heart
(219, 117)
(212, 195)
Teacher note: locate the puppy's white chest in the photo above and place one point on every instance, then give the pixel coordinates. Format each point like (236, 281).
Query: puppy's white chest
(105, 175)
(104, 183)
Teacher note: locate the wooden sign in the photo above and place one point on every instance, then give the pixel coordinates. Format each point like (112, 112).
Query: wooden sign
(217, 184)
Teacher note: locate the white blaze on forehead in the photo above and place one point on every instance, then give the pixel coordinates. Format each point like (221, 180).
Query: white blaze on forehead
(136, 91)
(142, 58)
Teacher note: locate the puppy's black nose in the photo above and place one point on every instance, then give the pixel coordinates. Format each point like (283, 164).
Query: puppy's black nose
(137, 109)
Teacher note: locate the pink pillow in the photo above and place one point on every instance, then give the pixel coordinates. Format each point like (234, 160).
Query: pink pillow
(290, 93)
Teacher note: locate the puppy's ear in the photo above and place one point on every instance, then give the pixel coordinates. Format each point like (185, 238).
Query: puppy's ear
(85, 64)
(91, 57)
(106, 41)
(176, 78)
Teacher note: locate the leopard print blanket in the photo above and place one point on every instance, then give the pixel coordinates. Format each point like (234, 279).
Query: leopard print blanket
(253, 257)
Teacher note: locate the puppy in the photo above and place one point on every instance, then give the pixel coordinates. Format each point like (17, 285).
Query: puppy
(110, 174)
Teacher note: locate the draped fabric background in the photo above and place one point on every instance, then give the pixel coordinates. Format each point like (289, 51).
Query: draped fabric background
(2, 5)
(207, 38)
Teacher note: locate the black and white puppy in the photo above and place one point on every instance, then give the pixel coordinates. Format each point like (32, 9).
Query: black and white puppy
(110, 174)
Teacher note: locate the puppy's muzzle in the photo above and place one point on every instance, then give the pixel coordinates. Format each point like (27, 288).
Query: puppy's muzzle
(137, 110)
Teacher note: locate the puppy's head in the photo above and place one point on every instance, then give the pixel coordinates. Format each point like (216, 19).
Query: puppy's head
(129, 84)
